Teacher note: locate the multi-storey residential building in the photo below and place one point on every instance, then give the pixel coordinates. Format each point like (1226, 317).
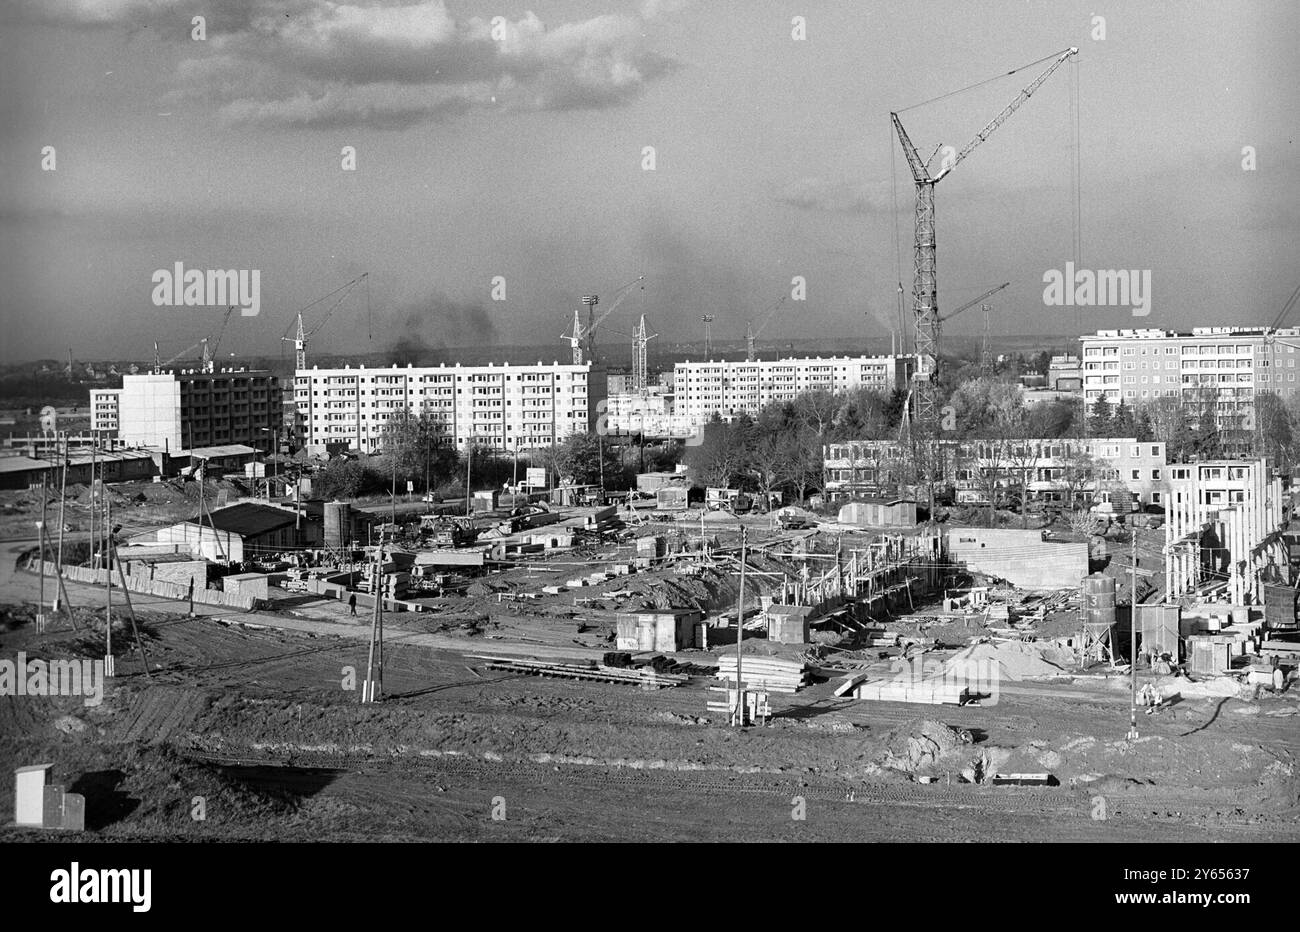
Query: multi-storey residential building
(1065, 373)
(189, 409)
(1224, 366)
(502, 407)
(729, 389)
(650, 414)
(1055, 469)
(103, 410)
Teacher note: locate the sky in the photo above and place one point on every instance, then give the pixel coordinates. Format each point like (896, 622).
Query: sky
(505, 141)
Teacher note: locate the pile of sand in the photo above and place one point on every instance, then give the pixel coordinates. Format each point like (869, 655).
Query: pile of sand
(1013, 660)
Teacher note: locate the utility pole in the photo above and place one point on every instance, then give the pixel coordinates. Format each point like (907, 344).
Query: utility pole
(40, 606)
(469, 458)
(63, 491)
(740, 634)
(108, 587)
(126, 594)
(373, 687)
(94, 447)
(1133, 636)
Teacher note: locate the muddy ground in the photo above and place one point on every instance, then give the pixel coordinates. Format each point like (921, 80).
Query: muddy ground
(256, 730)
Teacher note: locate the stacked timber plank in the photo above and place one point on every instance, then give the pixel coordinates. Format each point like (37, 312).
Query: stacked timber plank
(645, 677)
(767, 673)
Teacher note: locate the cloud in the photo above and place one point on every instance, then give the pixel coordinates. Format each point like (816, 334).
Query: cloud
(836, 197)
(324, 64)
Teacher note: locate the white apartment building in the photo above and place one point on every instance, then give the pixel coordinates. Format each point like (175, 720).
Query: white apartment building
(729, 389)
(1051, 469)
(1234, 363)
(649, 414)
(104, 404)
(501, 407)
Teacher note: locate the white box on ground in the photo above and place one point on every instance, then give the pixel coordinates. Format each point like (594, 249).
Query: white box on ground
(29, 793)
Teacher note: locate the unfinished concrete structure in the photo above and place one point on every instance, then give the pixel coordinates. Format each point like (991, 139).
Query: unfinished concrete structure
(1224, 520)
(1021, 557)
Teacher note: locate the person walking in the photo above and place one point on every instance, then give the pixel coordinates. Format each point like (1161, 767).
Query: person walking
(352, 604)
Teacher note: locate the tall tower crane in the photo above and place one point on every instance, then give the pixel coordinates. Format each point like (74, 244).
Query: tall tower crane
(640, 375)
(751, 334)
(583, 339)
(925, 297)
(302, 334)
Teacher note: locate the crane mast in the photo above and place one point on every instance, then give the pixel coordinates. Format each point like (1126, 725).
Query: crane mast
(925, 287)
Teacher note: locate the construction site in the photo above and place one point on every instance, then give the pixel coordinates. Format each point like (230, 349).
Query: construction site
(202, 640)
(935, 683)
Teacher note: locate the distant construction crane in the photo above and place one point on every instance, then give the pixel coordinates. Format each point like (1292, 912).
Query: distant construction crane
(925, 297)
(986, 358)
(751, 335)
(207, 347)
(302, 335)
(582, 340)
(640, 374)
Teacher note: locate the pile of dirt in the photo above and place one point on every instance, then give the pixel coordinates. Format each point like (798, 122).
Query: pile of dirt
(923, 746)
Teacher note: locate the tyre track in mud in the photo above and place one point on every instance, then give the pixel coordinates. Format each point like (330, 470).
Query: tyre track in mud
(1059, 806)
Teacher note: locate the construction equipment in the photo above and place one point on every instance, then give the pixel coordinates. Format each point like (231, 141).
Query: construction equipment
(925, 298)
(969, 304)
(212, 344)
(583, 339)
(751, 334)
(207, 346)
(640, 377)
(302, 335)
(986, 361)
(707, 320)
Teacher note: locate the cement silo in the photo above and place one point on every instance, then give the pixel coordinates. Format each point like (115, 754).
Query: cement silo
(1098, 619)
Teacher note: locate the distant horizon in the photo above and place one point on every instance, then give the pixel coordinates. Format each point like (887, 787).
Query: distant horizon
(525, 352)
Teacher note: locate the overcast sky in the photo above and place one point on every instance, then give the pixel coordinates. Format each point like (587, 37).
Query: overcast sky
(521, 156)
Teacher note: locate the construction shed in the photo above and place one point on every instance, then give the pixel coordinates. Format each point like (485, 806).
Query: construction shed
(1158, 627)
(1210, 654)
(653, 481)
(257, 585)
(788, 624)
(238, 532)
(879, 512)
(672, 498)
(657, 631)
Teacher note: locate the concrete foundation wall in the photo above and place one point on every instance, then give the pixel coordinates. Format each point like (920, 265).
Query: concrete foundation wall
(1022, 558)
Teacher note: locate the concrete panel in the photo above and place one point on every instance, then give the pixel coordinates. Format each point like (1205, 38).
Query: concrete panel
(1022, 558)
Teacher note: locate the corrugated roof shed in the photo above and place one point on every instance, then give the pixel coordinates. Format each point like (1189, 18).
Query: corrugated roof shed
(247, 519)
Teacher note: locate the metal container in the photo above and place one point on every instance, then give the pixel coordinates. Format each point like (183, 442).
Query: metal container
(338, 524)
(1099, 600)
